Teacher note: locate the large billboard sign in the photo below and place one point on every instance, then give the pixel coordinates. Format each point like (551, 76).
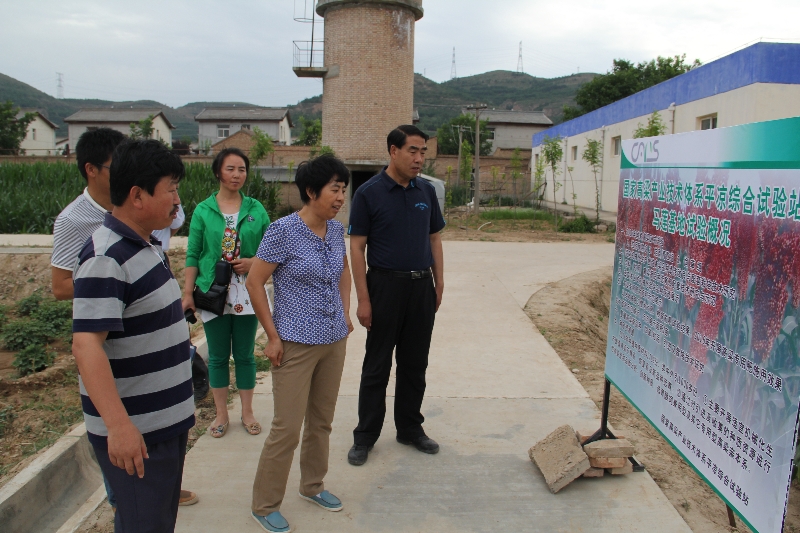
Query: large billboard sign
(705, 310)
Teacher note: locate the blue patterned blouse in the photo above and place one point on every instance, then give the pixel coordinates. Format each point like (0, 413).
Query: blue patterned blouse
(308, 306)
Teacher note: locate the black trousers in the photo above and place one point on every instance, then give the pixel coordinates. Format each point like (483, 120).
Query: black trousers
(149, 504)
(403, 312)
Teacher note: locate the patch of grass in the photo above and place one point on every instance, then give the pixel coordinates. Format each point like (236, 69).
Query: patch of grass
(262, 364)
(580, 224)
(518, 214)
(6, 418)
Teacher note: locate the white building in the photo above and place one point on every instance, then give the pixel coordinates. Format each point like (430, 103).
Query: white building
(119, 119)
(758, 83)
(513, 129)
(41, 136)
(217, 123)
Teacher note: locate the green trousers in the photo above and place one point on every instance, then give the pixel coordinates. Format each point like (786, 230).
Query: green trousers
(228, 334)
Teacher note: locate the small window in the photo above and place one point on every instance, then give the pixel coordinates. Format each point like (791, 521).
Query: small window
(33, 134)
(490, 134)
(536, 160)
(574, 153)
(616, 145)
(223, 130)
(708, 123)
(246, 127)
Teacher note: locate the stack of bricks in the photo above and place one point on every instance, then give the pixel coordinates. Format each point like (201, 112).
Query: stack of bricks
(607, 455)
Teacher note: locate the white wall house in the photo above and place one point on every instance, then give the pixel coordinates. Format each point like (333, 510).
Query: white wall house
(119, 119)
(513, 129)
(759, 83)
(217, 123)
(41, 136)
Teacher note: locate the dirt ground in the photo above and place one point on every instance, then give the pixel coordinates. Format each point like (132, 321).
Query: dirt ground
(573, 316)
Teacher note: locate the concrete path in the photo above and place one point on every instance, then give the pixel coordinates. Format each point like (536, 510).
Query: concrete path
(495, 387)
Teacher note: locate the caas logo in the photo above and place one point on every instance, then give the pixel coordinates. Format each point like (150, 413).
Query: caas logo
(645, 150)
(422, 206)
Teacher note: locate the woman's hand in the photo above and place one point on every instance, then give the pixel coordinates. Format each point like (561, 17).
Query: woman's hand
(242, 265)
(187, 302)
(274, 351)
(349, 323)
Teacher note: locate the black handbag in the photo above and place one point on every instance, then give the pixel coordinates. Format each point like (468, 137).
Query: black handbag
(214, 299)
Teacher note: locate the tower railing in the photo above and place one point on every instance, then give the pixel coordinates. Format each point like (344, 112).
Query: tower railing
(309, 59)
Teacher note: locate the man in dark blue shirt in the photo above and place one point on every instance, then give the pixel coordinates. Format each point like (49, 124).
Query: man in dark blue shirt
(395, 218)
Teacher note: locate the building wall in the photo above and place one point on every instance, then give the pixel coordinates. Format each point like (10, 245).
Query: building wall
(160, 130)
(278, 130)
(753, 103)
(514, 135)
(369, 51)
(45, 143)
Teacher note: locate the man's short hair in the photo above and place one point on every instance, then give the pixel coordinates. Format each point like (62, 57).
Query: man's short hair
(318, 172)
(96, 146)
(216, 165)
(397, 137)
(142, 164)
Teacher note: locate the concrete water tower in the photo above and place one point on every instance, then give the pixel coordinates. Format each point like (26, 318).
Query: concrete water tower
(368, 77)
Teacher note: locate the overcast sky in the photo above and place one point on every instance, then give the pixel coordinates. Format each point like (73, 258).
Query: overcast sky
(180, 51)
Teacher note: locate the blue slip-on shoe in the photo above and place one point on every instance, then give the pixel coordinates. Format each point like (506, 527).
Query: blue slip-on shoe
(273, 522)
(326, 500)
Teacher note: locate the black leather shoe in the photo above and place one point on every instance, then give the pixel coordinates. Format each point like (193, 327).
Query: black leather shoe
(357, 455)
(423, 443)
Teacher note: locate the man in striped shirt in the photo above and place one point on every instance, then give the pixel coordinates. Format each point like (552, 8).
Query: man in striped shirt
(131, 342)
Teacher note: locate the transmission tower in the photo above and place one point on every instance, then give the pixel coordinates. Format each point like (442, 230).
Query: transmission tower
(453, 67)
(520, 69)
(60, 92)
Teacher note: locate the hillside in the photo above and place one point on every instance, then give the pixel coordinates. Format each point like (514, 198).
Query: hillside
(498, 89)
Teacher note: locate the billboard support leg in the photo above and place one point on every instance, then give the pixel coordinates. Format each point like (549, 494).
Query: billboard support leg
(605, 433)
(731, 517)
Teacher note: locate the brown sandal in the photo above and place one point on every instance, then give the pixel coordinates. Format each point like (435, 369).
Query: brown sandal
(252, 429)
(219, 431)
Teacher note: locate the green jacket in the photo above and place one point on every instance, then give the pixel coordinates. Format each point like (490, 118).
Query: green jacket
(205, 235)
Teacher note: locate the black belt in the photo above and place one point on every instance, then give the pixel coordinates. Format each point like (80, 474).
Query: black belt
(414, 274)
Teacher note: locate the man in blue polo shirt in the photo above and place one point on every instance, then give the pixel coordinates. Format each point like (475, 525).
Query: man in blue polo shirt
(131, 342)
(395, 218)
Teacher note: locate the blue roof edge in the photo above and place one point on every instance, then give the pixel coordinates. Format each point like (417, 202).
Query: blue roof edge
(759, 63)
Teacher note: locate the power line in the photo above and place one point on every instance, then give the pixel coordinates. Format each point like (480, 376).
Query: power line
(453, 67)
(520, 69)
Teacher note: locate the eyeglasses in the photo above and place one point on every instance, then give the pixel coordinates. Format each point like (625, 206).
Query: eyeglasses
(104, 166)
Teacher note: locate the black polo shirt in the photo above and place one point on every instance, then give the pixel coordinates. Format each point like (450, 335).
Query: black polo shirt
(397, 222)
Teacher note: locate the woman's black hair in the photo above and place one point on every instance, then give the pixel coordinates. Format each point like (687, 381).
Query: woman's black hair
(142, 164)
(315, 173)
(216, 166)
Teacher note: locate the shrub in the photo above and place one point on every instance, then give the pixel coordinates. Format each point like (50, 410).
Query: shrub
(33, 358)
(6, 417)
(580, 224)
(24, 332)
(29, 304)
(55, 318)
(262, 363)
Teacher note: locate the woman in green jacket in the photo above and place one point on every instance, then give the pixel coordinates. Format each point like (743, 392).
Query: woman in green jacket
(227, 225)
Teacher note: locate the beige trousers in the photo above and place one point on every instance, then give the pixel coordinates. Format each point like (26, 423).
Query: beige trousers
(304, 387)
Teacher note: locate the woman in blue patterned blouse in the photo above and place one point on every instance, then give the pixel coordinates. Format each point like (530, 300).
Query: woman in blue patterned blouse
(306, 256)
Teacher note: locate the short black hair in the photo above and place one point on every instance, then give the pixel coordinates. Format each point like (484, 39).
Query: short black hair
(315, 173)
(397, 137)
(142, 164)
(96, 146)
(216, 165)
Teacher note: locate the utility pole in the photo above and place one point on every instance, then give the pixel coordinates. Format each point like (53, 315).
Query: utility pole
(60, 92)
(453, 66)
(477, 180)
(460, 142)
(520, 69)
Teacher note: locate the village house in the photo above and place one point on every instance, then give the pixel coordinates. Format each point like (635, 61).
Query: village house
(217, 123)
(41, 136)
(119, 119)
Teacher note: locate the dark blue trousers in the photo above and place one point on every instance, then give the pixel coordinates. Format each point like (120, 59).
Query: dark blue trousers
(149, 504)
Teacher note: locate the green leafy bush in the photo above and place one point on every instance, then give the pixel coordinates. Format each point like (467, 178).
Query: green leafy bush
(56, 319)
(21, 333)
(29, 304)
(33, 358)
(580, 224)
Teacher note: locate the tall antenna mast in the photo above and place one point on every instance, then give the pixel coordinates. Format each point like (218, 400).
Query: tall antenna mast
(520, 69)
(453, 67)
(60, 92)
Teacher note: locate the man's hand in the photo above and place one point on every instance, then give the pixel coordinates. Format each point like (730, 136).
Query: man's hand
(274, 351)
(439, 291)
(242, 266)
(364, 314)
(187, 302)
(126, 448)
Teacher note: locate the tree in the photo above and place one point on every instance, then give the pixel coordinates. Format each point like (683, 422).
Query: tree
(12, 129)
(311, 134)
(655, 127)
(142, 129)
(593, 154)
(447, 135)
(552, 152)
(516, 172)
(262, 146)
(626, 79)
(539, 182)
